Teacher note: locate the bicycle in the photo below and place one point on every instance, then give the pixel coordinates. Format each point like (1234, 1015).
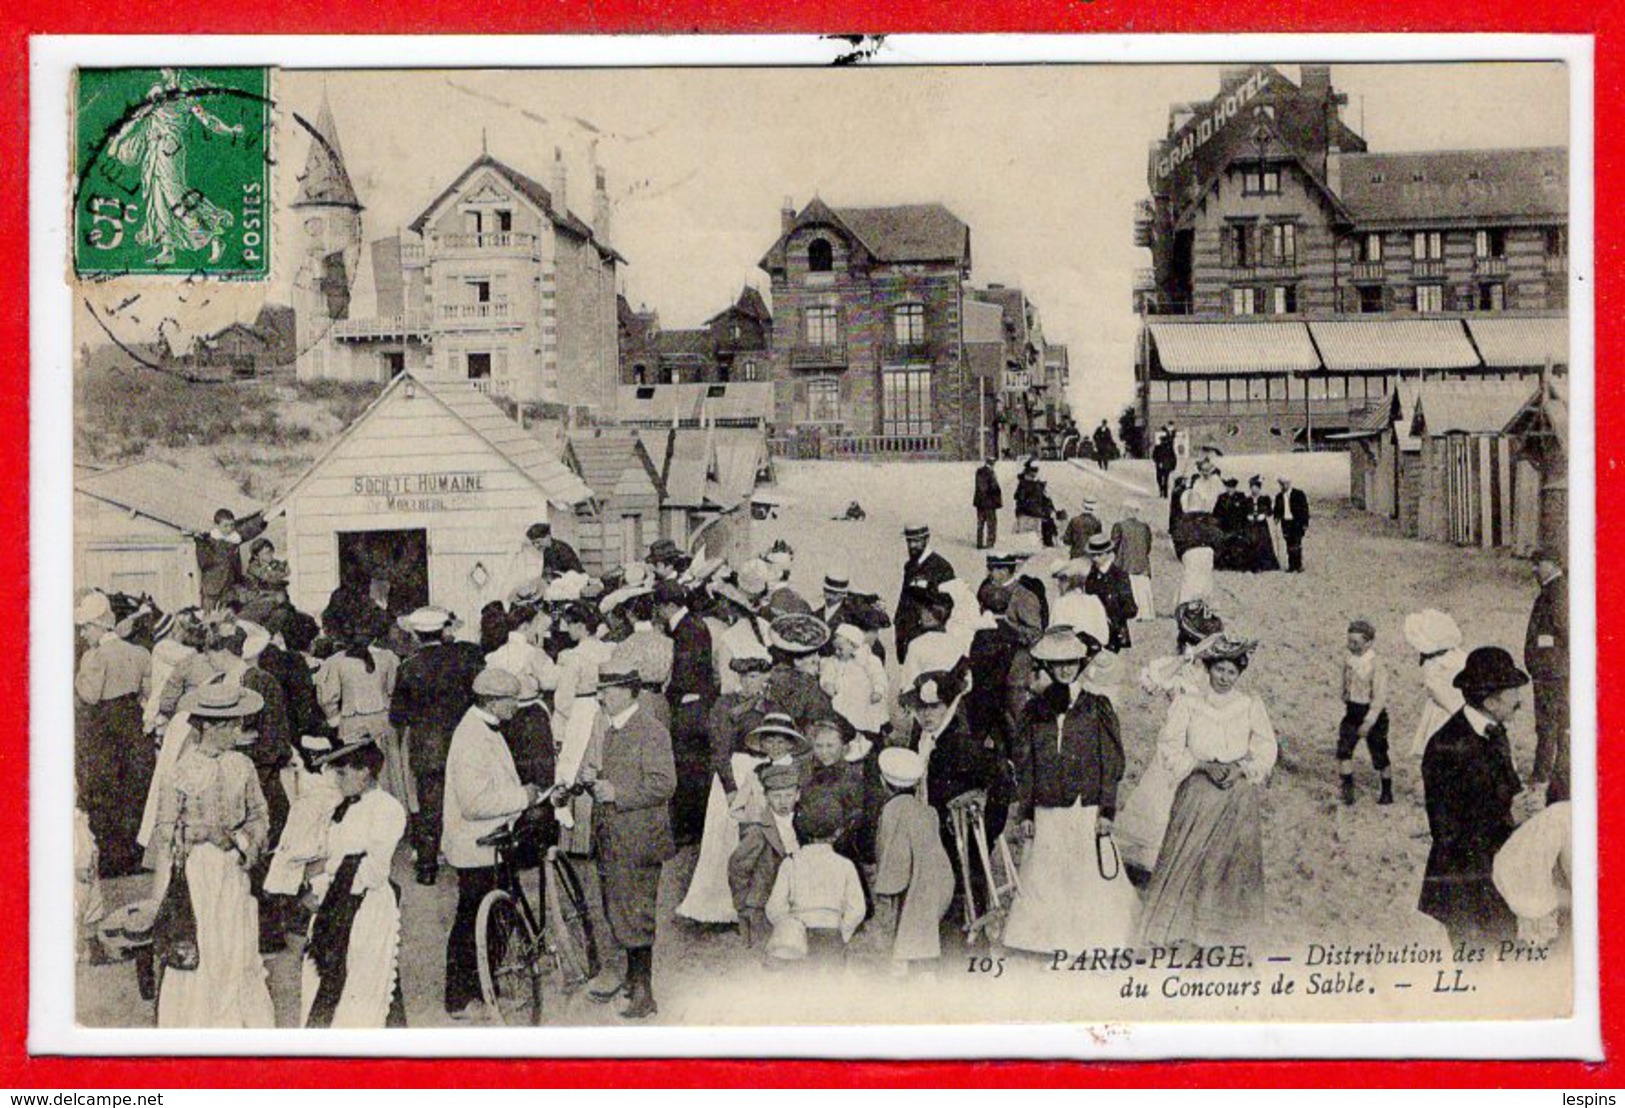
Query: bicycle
(513, 947)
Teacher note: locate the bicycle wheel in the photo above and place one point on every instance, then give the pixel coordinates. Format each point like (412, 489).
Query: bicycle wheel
(569, 922)
(509, 961)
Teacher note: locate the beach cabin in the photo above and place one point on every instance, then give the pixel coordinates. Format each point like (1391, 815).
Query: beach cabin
(625, 514)
(130, 524)
(1466, 462)
(710, 476)
(431, 489)
(1539, 438)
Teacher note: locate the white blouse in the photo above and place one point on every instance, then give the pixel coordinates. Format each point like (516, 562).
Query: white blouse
(372, 827)
(1233, 728)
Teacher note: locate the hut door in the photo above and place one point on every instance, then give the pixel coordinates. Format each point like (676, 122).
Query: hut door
(399, 557)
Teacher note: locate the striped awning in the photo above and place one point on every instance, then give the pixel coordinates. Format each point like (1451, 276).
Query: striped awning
(1212, 349)
(1521, 341)
(1356, 346)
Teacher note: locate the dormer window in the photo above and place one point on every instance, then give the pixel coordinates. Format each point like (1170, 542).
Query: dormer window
(820, 256)
(1261, 180)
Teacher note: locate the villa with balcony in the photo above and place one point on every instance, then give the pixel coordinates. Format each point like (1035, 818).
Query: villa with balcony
(497, 283)
(1296, 276)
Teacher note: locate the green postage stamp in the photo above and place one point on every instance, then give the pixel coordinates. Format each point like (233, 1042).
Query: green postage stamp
(172, 172)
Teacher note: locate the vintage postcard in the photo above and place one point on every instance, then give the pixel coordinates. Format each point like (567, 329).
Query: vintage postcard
(1061, 557)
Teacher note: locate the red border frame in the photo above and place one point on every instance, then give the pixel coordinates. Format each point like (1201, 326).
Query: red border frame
(19, 1070)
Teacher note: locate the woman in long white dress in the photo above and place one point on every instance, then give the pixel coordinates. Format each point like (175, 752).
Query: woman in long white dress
(1143, 819)
(212, 821)
(350, 973)
(1208, 887)
(1074, 893)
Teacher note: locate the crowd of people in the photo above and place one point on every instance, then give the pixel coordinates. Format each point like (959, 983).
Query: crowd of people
(266, 766)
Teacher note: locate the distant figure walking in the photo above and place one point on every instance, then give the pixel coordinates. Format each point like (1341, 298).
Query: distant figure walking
(1292, 512)
(987, 501)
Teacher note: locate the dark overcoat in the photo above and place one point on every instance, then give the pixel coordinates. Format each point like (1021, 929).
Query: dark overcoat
(1469, 782)
(632, 833)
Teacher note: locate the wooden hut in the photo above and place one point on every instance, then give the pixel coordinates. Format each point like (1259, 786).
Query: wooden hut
(709, 473)
(625, 515)
(431, 488)
(1385, 459)
(1539, 438)
(130, 524)
(1466, 462)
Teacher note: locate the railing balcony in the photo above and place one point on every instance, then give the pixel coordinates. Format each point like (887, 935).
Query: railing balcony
(1490, 267)
(902, 353)
(1433, 267)
(818, 356)
(496, 310)
(411, 325)
(490, 386)
(514, 242)
(1366, 271)
(413, 253)
(919, 447)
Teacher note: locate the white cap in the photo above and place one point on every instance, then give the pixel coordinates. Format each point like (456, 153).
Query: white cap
(900, 767)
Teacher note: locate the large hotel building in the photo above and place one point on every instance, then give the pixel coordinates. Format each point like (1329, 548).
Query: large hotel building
(1296, 275)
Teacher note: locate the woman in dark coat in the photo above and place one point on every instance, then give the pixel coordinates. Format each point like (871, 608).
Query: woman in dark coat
(1469, 783)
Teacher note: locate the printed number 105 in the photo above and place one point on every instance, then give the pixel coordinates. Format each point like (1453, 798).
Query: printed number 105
(985, 964)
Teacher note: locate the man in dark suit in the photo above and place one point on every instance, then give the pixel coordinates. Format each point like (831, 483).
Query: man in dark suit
(1081, 528)
(633, 785)
(433, 690)
(1109, 583)
(924, 572)
(1546, 655)
(1292, 511)
(220, 555)
(690, 692)
(1163, 458)
(987, 501)
(1469, 784)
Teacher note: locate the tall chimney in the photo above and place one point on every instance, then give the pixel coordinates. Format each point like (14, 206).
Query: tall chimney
(787, 215)
(1334, 169)
(560, 181)
(600, 205)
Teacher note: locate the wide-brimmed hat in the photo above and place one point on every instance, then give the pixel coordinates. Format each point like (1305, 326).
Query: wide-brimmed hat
(798, 633)
(1060, 645)
(900, 767)
(750, 663)
(492, 681)
(565, 587)
(1431, 631)
(426, 621)
(618, 675)
(1490, 669)
(222, 701)
(777, 725)
(1071, 567)
(94, 607)
(1228, 648)
(621, 595)
(1098, 544)
(935, 689)
(347, 747)
(1196, 620)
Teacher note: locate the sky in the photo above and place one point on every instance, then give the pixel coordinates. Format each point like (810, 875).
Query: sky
(1044, 163)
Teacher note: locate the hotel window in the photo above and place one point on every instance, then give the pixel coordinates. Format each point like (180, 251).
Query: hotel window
(823, 400)
(820, 256)
(1246, 301)
(1430, 298)
(1492, 297)
(906, 402)
(479, 367)
(1238, 246)
(1368, 248)
(908, 324)
(1427, 246)
(1491, 243)
(1370, 298)
(1283, 299)
(1283, 244)
(1261, 180)
(823, 326)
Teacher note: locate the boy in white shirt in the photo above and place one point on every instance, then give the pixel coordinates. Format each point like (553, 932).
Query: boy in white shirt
(817, 901)
(1365, 711)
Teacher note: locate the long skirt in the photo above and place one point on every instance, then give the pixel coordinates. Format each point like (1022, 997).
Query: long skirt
(370, 965)
(1196, 576)
(1261, 548)
(397, 779)
(710, 898)
(1143, 819)
(1143, 598)
(1278, 543)
(228, 987)
(1066, 902)
(1208, 888)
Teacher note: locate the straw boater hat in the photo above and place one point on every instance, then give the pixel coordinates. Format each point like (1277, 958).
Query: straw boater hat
(798, 633)
(1098, 544)
(426, 621)
(222, 701)
(777, 725)
(1089, 505)
(618, 675)
(916, 531)
(1061, 645)
(1490, 669)
(1431, 631)
(334, 753)
(837, 581)
(1005, 561)
(900, 767)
